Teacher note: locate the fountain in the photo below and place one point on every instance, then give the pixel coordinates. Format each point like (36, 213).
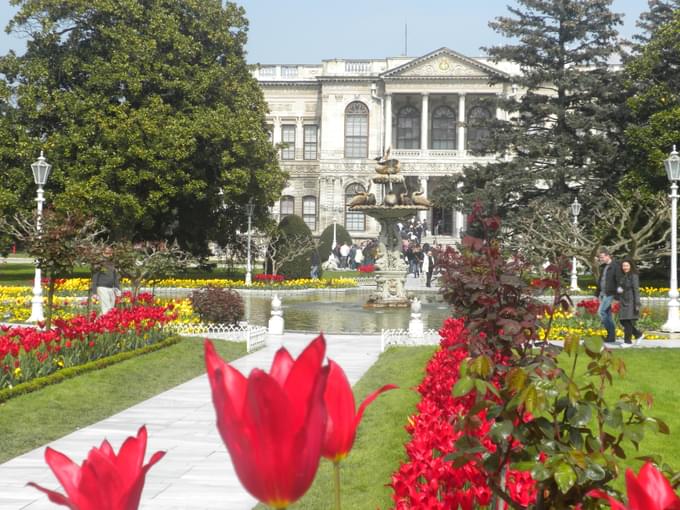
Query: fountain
(391, 268)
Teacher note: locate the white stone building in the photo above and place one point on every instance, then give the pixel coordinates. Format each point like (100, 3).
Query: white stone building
(334, 118)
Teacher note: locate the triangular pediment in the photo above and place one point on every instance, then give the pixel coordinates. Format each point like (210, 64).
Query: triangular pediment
(444, 63)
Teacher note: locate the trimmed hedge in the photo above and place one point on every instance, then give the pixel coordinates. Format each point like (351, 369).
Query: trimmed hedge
(326, 240)
(300, 266)
(70, 372)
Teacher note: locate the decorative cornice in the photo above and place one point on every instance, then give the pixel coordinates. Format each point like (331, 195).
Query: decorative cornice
(397, 72)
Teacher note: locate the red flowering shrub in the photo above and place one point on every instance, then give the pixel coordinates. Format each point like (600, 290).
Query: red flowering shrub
(269, 278)
(591, 306)
(431, 478)
(218, 305)
(366, 268)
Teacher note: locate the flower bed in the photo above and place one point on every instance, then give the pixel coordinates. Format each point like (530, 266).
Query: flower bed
(26, 353)
(431, 478)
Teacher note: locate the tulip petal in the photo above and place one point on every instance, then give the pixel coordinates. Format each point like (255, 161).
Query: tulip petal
(281, 366)
(66, 471)
(341, 408)
(131, 454)
(268, 427)
(302, 378)
(369, 399)
(656, 487)
(613, 503)
(231, 380)
(54, 497)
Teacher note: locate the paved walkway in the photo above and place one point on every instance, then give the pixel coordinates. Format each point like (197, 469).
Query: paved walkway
(196, 472)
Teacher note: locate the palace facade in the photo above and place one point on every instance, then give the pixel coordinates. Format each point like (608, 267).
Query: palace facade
(333, 119)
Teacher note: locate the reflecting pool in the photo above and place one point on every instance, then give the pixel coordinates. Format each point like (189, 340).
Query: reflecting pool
(342, 312)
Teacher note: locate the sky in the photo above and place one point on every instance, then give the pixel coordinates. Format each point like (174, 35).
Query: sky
(309, 31)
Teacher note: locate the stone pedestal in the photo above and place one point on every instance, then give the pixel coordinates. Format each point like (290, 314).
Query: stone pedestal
(276, 320)
(390, 290)
(416, 328)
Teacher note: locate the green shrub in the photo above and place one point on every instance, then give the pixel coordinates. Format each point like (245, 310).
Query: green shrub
(224, 306)
(294, 247)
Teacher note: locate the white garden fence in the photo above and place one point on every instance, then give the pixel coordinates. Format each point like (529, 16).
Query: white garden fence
(390, 337)
(255, 336)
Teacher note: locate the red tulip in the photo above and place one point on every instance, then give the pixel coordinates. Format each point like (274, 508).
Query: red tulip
(343, 419)
(272, 423)
(105, 481)
(649, 491)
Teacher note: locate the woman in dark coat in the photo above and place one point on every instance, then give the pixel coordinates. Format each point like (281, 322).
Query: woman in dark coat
(629, 293)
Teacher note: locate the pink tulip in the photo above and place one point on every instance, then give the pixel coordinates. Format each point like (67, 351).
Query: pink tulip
(272, 423)
(106, 480)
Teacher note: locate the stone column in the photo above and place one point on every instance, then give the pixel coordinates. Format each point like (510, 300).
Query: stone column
(276, 135)
(299, 135)
(424, 124)
(422, 215)
(461, 124)
(388, 120)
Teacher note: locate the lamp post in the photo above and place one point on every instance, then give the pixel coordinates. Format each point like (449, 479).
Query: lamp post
(41, 171)
(575, 209)
(673, 171)
(250, 208)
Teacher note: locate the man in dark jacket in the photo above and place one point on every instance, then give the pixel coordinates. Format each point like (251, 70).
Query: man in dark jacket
(608, 286)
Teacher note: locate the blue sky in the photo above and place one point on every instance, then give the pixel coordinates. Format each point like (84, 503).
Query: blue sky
(308, 31)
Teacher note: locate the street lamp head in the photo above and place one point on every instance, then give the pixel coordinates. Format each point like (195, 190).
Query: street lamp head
(41, 170)
(673, 166)
(575, 207)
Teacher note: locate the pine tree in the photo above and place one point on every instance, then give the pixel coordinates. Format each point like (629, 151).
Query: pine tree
(660, 12)
(562, 136)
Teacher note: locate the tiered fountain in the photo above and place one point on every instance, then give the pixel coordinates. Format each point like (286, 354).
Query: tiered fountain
(391, 269)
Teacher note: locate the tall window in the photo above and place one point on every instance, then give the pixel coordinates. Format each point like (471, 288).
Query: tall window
(309, 211)
(443, 128)
(288, 141)
(310, 142)
(287, 206)
(408, 128)
(478, 131)
(354, 220)
(356, 130)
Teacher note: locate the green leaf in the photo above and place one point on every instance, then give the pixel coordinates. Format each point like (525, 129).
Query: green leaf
(582, 414)
(463, 386)
(593, 344)
(565, 477)
(595, 472)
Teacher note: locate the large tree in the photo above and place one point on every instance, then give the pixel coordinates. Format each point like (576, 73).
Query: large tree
(654, 126)
(147, 111)
(562, 136)
(659, 13)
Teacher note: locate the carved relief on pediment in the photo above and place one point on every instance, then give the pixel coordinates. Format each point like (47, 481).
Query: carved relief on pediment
(443, 66)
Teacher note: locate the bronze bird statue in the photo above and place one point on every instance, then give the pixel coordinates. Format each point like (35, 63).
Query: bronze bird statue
(370, 200)
(405, 199)
(418, 198)
(361, 198)
(386, 165)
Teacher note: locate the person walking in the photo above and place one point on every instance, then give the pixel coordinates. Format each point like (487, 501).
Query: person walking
(428, 268)
(607, 290)
(629, 313)
(105, 282)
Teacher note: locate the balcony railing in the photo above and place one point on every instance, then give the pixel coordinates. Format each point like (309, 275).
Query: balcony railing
(357, 67)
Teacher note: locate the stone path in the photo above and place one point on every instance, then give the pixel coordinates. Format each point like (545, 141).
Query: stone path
(196, 472)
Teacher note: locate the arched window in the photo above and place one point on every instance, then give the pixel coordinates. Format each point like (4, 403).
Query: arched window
(354, 220)
(309, 211)
(287, 206)
(478, 131)
(356, 130)
(408, 128)
(443, 128)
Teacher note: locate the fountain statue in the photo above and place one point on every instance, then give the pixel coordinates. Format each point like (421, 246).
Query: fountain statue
(391, 269)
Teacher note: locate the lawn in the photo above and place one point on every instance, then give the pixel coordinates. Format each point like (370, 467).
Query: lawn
(34, 419)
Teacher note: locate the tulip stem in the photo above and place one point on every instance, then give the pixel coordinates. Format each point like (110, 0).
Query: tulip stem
(336, 471)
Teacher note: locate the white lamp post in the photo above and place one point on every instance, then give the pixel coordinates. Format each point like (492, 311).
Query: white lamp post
(673, 171)
(41, 171)
(575, 209)
(250, 208)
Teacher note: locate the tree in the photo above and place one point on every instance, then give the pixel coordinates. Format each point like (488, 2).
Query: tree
(660, 12)
(655, 108)
(57, 245)
(326, 240)
(562, 134)
(634, 224)
(147, 111)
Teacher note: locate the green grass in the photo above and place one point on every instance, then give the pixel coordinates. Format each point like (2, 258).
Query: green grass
(379, 445)
(31, 420)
